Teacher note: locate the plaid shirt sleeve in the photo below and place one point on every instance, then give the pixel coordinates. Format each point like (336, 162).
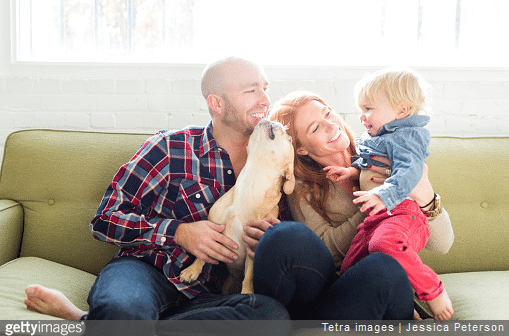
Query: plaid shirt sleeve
(128, 212)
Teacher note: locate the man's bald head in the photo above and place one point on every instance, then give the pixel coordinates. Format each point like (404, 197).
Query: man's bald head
(227, 71)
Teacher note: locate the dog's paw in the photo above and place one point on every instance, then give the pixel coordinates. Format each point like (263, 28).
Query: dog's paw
(188, 275)
(192, 272)
(247, 289)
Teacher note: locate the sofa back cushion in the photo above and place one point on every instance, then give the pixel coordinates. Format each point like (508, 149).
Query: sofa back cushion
(472, 177)
(60, 177)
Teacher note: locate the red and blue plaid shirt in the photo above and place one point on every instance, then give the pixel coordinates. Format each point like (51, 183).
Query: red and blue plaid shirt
(174, 177)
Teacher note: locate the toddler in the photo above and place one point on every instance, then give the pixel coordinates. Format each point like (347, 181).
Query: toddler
(393, 111)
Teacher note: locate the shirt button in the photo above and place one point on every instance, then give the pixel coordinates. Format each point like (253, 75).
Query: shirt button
(229, 172)
(198, 195)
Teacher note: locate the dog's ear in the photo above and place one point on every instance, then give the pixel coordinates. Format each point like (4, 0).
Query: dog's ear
(289, 183)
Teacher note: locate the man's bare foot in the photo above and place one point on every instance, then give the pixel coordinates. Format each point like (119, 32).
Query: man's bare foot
(51, 302)
(441, 306)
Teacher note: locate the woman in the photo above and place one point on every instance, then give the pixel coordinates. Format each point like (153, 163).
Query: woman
(375, 288)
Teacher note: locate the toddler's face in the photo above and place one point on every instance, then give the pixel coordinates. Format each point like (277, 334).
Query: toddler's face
(376, 112)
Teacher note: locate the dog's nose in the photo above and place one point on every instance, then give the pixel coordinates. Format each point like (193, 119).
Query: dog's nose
(272, 136)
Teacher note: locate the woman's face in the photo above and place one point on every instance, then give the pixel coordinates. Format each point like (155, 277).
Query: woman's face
(321, 133)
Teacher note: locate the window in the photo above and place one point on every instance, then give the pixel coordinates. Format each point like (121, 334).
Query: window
(279, 32)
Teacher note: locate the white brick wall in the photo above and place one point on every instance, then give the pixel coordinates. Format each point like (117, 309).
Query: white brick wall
(472, 105)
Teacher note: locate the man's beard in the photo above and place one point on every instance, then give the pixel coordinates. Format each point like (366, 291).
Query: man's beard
(233, 119)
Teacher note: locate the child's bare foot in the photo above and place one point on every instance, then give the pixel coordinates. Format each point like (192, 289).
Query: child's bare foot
(51, 302)
(441, 306)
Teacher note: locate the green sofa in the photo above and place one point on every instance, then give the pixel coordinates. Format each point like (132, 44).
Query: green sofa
(51, 183)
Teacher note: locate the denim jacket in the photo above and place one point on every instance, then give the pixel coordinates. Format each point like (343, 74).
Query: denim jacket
(405, 142)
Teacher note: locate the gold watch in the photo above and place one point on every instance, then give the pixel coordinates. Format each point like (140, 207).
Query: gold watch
(436, 208)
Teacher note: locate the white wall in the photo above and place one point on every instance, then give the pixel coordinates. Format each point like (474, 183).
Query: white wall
(148, 98)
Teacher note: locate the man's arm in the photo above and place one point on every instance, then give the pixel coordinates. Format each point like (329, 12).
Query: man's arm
(126, 214)
(131, 211)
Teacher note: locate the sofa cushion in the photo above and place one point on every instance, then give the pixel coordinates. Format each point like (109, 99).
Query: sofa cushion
(59, 177)
(21, 272)
(11, 226)
(478, 295)
(475, 295)
(471, 177)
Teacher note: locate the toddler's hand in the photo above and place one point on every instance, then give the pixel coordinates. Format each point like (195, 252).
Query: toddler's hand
(371, 201)
(338, 174)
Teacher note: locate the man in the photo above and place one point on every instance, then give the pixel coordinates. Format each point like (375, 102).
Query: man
(156, 209)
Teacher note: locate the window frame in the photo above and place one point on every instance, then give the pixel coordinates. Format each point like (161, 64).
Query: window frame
(10, 67)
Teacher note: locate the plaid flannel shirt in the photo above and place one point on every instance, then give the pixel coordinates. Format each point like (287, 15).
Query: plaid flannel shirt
(174, 177)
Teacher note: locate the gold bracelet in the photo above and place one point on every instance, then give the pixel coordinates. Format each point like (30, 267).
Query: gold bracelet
(437, 208)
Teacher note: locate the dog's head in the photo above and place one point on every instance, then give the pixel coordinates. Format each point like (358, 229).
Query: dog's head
(270, 146)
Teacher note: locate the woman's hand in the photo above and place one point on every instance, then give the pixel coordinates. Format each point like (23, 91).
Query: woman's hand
(423, 192)
(380, 170)
(254, 230)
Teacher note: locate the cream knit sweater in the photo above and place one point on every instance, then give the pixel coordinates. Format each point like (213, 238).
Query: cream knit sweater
(338, 237)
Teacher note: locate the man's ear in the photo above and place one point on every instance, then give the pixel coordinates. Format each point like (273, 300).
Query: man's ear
(215, 103)
(403, 111)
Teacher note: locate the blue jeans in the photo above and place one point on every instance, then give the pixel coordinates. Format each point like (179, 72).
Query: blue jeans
(130, 289)
(294, 266)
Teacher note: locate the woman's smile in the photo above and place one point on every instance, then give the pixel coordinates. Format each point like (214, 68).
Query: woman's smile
(336, 137)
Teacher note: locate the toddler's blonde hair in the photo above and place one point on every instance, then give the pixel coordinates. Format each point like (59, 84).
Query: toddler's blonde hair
(399, 85)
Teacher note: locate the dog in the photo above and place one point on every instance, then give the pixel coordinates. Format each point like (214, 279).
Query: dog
(257, 191)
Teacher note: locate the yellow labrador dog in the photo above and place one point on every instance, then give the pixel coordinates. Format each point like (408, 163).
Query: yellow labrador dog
(256, 193)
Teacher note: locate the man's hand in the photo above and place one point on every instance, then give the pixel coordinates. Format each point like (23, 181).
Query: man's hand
(205, 241)
(338, 174)
(370, 201)
(254, 230)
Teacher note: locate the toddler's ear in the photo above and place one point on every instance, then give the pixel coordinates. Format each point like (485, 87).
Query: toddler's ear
(403, 110)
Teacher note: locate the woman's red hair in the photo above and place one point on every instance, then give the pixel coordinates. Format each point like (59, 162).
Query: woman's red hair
(315, 184)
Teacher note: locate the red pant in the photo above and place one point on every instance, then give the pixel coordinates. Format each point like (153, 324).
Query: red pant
(401, 235)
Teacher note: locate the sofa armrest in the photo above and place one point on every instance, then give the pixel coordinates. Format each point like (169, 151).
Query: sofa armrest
(11, 228)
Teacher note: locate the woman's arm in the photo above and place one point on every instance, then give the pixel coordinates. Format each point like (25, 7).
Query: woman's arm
(423, 191)
(254, 230)
(440, 227)
(441, 235)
